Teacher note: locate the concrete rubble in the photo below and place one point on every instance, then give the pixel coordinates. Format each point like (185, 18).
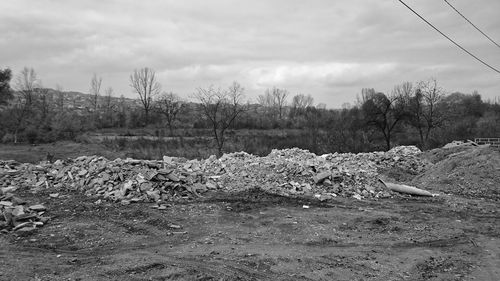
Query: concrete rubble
(290, 172)
(17, 215)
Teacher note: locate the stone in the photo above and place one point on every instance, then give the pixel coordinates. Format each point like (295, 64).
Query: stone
(54, 195)
(145, 186)
(211, 185)
(8, 189)
(319, 178)
(5, 203)
(37, 208)
(174, 226)
(18, 211)
(154, 195)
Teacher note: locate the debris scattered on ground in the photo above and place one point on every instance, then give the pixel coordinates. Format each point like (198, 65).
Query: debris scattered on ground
(17, 215)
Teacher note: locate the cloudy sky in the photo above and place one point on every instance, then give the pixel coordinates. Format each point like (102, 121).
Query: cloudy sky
(329, 49)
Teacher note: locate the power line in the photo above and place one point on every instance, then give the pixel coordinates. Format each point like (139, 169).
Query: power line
(472, 24)
(456, 44)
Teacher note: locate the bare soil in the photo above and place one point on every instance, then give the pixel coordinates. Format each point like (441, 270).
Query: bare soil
(254, 235)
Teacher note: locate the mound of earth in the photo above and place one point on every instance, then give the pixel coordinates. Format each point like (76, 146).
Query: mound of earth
(468, 171)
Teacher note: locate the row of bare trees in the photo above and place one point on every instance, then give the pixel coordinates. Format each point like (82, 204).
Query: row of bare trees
(420, 105)
(220, 107)
(420, 112)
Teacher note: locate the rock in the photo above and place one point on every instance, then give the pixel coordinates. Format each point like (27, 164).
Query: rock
(22, 225)
(54, 195)
(174, 226)
(18, 211)
(17, 201)
(154, 195)
(211, 185)
(25, 216)
(5, 203)
(319, 178)
(8, 189)
(7, 215)
(145, 186)
(125, 202)
(37, 208)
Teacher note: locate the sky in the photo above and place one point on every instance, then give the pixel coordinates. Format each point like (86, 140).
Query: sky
(328, 49)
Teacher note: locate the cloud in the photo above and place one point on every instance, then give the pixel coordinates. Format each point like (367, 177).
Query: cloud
(330, 49)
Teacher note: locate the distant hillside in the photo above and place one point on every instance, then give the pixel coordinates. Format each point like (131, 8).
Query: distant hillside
(77, 101)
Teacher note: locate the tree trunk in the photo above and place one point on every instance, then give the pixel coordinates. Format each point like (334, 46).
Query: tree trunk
(388, 140)
(422, 140)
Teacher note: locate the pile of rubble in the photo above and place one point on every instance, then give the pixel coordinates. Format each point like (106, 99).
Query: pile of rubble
(296, 171)
(16, 215)
(288, 172)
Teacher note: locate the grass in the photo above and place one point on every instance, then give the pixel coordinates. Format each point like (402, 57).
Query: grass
(61, 150)
(196, 144)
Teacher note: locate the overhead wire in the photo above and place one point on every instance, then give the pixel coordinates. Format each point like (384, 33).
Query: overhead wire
(477, 28)
(451, 40)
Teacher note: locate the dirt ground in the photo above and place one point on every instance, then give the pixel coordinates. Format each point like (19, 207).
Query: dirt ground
(254, 235)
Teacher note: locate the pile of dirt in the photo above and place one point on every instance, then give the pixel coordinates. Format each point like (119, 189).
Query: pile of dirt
(472, 171)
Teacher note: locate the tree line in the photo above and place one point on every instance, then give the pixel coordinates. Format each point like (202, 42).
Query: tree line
(419, 113)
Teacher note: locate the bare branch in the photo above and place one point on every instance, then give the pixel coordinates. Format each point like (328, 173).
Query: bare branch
(221, 108)
(144, 83)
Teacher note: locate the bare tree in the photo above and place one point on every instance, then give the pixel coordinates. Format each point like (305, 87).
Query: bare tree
(274, 102)
(383, 112)
(221, 108)
(122, 109)
(279, 100)
(45, 104)
(59, 98)
(300, 103)
(170, 104)
(109, 106)
(27, 83)
(425, 109)
(265, 100)
(144, 83)
(95, 92)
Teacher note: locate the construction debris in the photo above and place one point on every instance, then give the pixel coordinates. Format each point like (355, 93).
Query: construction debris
(460, 143)
(289, 172)
(407, 189)
(17, 216)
